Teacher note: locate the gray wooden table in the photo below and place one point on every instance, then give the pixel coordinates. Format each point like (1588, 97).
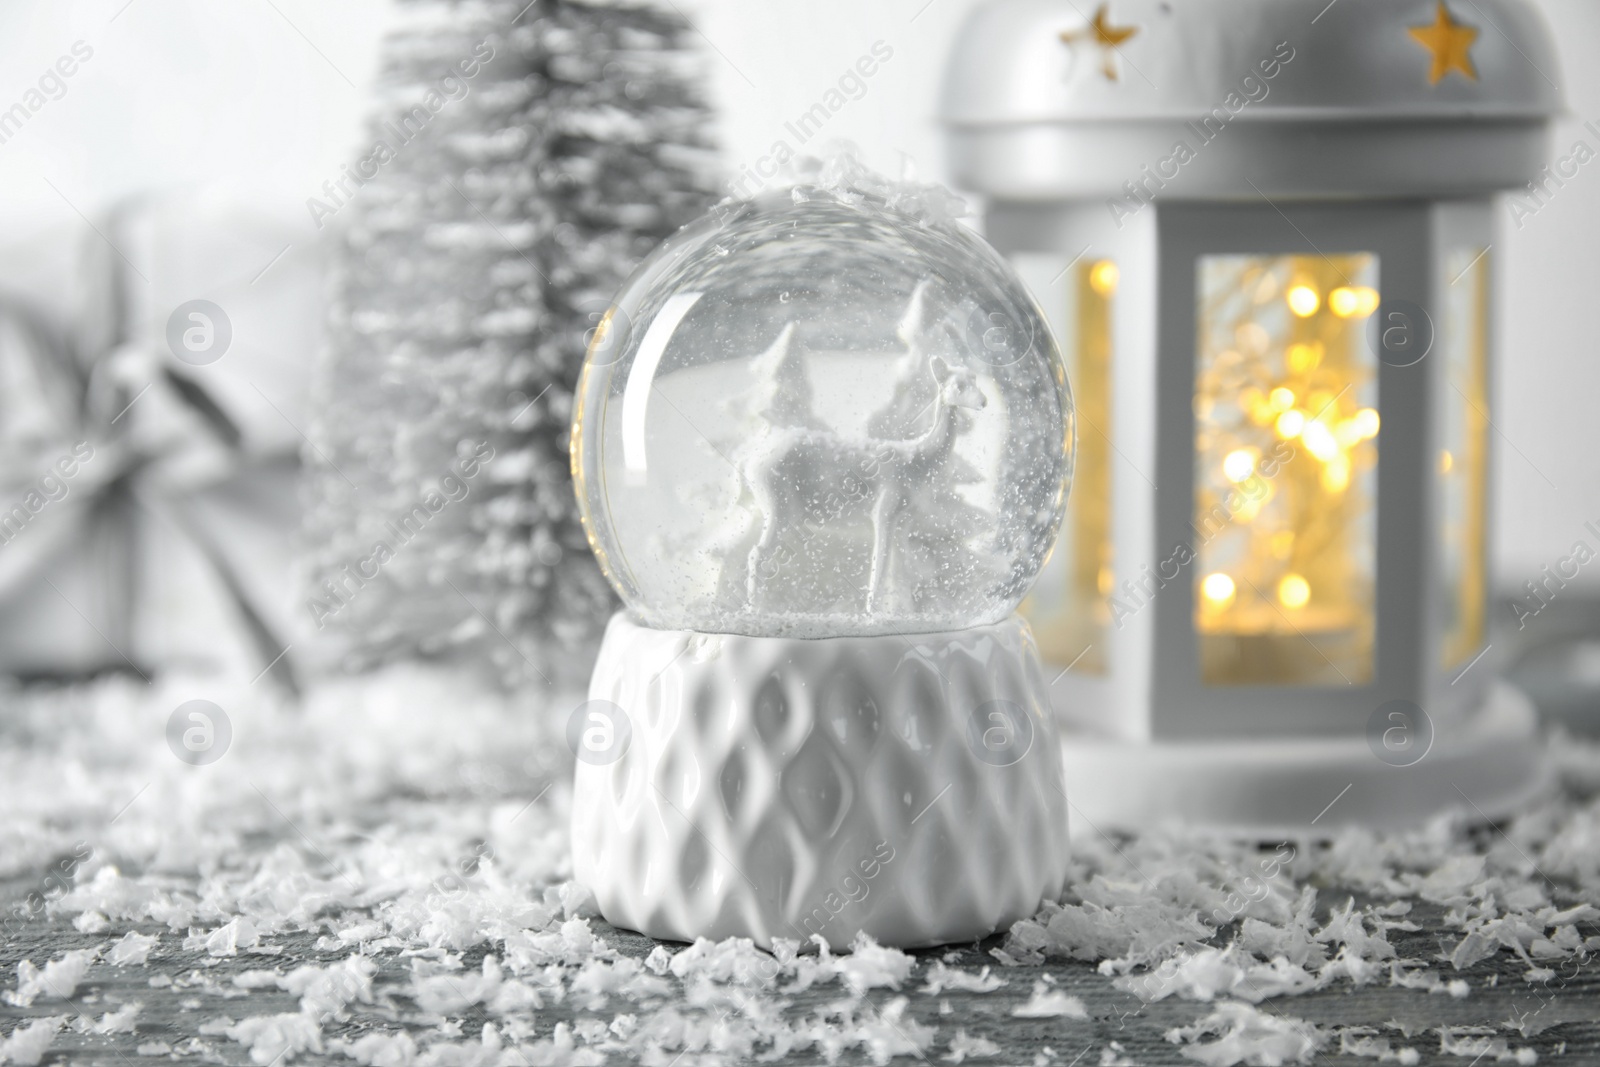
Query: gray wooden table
(1570, 1013)
(309, 801)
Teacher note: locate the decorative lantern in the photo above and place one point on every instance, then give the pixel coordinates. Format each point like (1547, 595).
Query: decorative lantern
(1265, 234)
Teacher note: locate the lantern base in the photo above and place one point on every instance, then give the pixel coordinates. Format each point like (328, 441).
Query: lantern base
(1484, 768)
(905, 786)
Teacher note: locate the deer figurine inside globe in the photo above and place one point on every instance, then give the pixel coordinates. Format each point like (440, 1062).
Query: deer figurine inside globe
(792, 475)
(822, 445)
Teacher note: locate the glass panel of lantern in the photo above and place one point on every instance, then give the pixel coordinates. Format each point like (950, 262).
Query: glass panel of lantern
(1286, 424)
(1069, 606)
(1463, 460)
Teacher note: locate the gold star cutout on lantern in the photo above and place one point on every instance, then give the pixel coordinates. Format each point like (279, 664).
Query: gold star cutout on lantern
(1103, 35)
(1450, 42)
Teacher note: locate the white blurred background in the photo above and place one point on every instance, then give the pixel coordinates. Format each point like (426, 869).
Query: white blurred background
(267, 97)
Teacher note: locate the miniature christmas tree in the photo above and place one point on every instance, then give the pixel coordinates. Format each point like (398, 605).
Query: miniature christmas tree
(524, 157)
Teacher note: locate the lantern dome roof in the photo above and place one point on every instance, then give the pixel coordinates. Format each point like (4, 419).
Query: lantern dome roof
(1052, 97)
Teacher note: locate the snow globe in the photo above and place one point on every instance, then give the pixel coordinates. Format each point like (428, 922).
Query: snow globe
(821, 444)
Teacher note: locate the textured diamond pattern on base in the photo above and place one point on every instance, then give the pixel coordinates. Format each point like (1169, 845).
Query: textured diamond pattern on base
(778, 787)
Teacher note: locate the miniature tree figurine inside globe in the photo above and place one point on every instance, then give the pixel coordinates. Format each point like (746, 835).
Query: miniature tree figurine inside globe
(812, 425)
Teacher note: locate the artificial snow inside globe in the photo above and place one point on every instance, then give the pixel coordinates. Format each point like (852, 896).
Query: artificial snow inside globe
(830, 411)
(822, 444)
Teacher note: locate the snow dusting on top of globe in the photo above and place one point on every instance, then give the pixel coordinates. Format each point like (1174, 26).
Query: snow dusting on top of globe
(831, 411)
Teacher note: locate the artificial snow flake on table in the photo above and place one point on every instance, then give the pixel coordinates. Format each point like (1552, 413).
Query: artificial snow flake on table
(28, 1043)
(597, 979)
(871, 965)
(325, 992)
(361, 932)
(448, 994)
(883, 1034)
(110, 894)
(227, 939)
(941, 977)
(379, 1050)
(121, 1021)
(1112, 1056)
(1478, 1043)
(1563, 942)
(90, 922)
(965, 1046)
(1409, 974)
(1365, 1042)
(133, 950)
(1348, 929)
(1451, 880)
(57, 980)
(733, 959)
(1238, 1033)
(1295, 939)
(1126, 935)
(571, 942)
(274, 1037)
(1047, 1003)
(1532, 1023)
(1209, 973)
(577, 901)
(736, 960)
(257, 980)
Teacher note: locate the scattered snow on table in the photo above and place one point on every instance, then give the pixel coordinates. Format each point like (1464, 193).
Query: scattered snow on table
(413, 828)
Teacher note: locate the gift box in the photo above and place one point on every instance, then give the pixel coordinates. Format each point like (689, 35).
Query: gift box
(154, 369)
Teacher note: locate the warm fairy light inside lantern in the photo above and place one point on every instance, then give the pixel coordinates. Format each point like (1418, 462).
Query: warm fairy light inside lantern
(1285, 467)
(1217, 588)
(1070, 607)
(1463, 461)
(1356, 302)
(1303, 300)
(1239, 464)
(1103, 279)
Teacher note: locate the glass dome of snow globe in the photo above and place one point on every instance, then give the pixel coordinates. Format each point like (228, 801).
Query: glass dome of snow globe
(830, 411)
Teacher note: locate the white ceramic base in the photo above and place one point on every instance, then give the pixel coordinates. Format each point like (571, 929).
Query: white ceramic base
(1486, 767)
(906, 786)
